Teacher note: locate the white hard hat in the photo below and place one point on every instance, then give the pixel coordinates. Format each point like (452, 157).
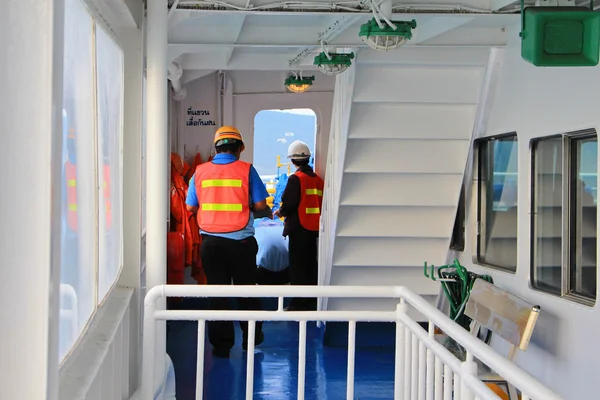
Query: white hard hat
(298, 151)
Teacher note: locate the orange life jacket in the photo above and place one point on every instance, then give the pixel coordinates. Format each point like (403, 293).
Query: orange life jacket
(71, 175)
(197, 161)
(223, 195)
(311, 200)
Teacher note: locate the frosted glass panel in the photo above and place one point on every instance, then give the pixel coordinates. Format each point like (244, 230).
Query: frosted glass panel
(78, 224)
(109, 61)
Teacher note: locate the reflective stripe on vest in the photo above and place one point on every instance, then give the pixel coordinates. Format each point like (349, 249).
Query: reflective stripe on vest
(222, 183)
(221, 207)
(223, 193)
(71, 178)
(311, 200)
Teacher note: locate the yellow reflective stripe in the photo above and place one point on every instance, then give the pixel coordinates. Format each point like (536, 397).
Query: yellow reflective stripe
(221, 207)
(72, 207)
(71, 183)
(222, 183)
(104, 187)
(313, 210)
(314, 191)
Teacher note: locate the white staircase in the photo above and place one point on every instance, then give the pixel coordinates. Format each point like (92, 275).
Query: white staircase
(408, 138)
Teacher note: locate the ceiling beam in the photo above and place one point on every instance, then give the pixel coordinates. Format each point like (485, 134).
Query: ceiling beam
(333, 30)
(242, 61)
(236, 30)
(192, 75)
(184, 48)
(177, 17)
(438, 26)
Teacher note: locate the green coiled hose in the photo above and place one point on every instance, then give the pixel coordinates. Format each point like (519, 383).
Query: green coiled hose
(459, 290)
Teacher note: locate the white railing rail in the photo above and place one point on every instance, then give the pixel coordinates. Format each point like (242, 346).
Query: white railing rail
(424, 368)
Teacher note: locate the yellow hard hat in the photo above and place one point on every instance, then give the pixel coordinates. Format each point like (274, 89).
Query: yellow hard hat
(226, 134)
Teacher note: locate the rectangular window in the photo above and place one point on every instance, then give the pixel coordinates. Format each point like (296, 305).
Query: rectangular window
(91, 232)
(564, 215)
(109, 73)
(78, 228)
(497, 202)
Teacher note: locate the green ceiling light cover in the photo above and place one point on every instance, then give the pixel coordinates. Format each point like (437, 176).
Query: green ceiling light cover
(338, 63)
(560, 36)
(386, 38)
(297, 84)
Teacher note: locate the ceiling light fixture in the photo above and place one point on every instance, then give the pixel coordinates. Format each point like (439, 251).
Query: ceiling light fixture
(386, 36)
(298, 84)
(333, 63)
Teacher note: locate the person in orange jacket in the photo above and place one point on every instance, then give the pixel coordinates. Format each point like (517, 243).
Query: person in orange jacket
(183, 220)
(301, 206)
(224, 193)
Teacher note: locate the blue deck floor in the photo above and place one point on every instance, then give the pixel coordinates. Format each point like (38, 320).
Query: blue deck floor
(276, 366)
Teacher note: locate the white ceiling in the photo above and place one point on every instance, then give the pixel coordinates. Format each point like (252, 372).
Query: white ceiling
(240, 37)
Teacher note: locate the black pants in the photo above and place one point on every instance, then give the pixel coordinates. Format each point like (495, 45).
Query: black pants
(224, 261)
(304, 265)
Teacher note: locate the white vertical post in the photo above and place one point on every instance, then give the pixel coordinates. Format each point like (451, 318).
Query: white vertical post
(414, 384)
(200, 359)
(250, 360)
(438, 378)
(430, 364)
(422, 371)
(157, 163)
(468, 367)
(447, 383)
(301, 359)
(457, 387)
(31, 41)
(407, 363)
(399, 380)
(351, 353)
(132, 42)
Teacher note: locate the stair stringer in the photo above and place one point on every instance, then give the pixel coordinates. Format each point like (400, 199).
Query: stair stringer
(338, 137)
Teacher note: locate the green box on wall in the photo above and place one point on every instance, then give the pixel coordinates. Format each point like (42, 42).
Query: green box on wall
(560, 36)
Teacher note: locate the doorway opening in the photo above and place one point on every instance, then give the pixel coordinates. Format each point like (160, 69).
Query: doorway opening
(274, 131)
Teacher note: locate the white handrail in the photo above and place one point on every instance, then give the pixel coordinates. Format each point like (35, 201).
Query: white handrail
(414, 365)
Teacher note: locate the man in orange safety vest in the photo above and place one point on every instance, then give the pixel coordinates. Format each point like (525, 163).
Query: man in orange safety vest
(224, 192)
(301, 206)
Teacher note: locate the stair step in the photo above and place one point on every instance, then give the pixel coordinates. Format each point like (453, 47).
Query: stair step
(389, 252)
(457, 85)
(411, 121)
(397, 222)
(406, 156)
(391, 189)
